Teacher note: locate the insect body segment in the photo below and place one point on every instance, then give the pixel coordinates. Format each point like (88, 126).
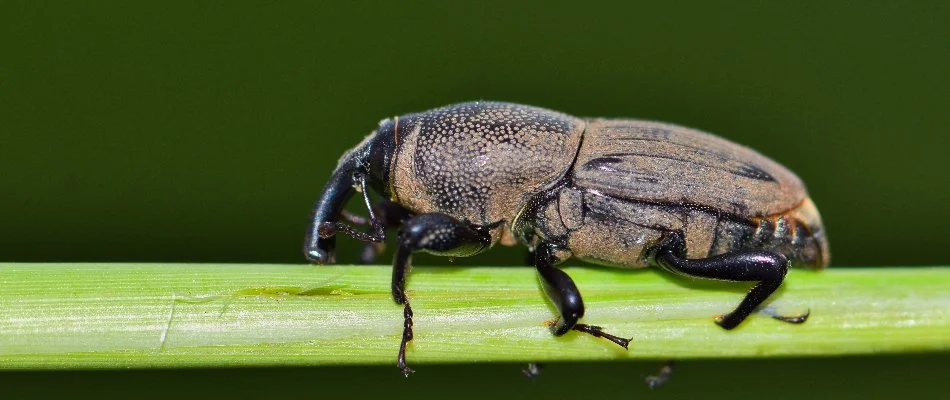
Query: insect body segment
(623, 193)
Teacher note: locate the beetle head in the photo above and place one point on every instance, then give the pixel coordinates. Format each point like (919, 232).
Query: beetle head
(370, 161)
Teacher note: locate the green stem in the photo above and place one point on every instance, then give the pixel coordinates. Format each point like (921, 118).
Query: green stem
(182, 315)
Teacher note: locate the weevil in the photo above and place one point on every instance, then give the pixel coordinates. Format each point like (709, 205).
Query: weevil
(624, 193)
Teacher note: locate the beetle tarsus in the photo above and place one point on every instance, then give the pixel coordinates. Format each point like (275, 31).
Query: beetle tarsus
(328, 229)
(597, 331)
(400, 268)
(765, 267)
(406, 338)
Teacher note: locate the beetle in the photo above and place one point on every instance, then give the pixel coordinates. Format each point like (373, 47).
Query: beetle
(624, 193)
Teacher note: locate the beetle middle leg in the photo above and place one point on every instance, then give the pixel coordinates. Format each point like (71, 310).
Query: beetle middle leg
(562, 292)
(765, 267)
(437, 234)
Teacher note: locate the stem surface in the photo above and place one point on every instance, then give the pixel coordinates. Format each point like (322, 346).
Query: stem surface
(187, 315)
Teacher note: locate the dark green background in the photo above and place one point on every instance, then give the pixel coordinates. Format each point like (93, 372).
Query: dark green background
(203, 131)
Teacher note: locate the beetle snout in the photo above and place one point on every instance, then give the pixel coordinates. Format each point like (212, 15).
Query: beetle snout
(319, 249)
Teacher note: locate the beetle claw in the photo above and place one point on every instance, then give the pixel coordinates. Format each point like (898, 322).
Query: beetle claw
(597, 331)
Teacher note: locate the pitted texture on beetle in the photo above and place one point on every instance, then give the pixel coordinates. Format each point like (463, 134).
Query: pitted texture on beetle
(482, 161)
(669, 164)
(634, 180)
(486, 162)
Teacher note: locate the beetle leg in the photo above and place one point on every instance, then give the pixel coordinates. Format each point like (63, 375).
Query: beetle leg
(371, 250)
(391, 214)
(433, 233)
(765, 267)
(377, 232)
(562, 292)
(383, 214)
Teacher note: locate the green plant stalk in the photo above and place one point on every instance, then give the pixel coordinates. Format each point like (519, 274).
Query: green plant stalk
(187, 315)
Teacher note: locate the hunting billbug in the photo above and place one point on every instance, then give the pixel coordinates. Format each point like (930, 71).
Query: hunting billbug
(618, 192)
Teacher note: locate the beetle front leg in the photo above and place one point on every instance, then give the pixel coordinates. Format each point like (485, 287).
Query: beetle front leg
(562, 292)
(391, 214)
(765, 267)
(377, 232)
(437, 234)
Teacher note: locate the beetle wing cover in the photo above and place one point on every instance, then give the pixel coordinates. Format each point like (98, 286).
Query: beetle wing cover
(669, 164)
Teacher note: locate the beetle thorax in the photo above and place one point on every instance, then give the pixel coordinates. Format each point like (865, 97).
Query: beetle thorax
(481, 161)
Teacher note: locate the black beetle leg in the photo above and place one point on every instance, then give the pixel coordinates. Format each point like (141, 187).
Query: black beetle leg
(377, 225)
(371, 250)
(391, 214)
(562, 292)
(433, 233)
(765, 267)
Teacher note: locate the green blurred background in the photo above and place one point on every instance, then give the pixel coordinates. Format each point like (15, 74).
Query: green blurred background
(203, 130)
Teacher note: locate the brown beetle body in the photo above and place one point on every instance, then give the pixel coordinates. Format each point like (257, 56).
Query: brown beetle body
(626, 193)
(607, 188)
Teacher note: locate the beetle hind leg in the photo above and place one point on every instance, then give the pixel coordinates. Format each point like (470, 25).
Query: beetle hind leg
(562, 292)
(765, 267)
